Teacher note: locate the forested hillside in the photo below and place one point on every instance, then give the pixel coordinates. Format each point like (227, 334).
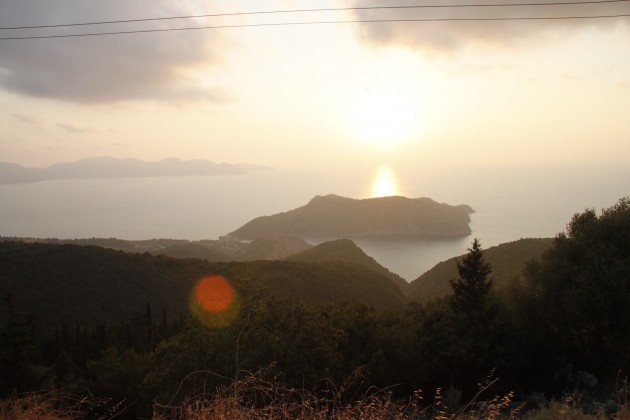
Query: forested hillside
(560, 332)
(90, 285)
(508, 262)
(344, 250)
(224, 249)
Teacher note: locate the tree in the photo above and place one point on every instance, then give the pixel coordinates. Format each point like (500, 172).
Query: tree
(466, 330)
(20, 359)
(581, 289)
(471, 290)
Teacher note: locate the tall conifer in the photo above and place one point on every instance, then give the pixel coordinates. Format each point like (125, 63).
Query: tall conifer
(471, 289)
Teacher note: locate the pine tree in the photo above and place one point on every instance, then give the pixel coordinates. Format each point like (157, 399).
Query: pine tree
(471, 290)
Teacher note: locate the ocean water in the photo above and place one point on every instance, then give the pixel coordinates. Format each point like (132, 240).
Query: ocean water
(509, 203)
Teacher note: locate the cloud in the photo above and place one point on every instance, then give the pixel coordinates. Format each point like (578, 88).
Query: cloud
(449, 37)
(71, 129)
(158, 66)
(4, 141)
(41, 124)
(29, 121)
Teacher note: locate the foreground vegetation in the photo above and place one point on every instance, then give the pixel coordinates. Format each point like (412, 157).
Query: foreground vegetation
(561, 331)
(254, 398)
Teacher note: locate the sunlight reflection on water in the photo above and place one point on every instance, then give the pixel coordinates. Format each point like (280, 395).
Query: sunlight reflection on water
(384, 184)
(508, 205)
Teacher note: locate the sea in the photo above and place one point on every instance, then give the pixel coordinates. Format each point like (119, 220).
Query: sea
(509, 202)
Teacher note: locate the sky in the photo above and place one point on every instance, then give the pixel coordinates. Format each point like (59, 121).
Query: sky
(515, 93)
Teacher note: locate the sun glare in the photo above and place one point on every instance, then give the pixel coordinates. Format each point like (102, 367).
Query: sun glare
(384, 184)
(382, 114)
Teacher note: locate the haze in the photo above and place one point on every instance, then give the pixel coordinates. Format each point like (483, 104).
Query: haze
(351, 95)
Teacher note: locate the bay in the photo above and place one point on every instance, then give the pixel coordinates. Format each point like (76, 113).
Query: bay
(509, 203)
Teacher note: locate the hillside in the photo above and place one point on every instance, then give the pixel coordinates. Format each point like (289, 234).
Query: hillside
(317, 282)
(347, 251)
(89, 284)
(507, 261)
(227, 249)
(273, 248)
(194, 250)
(336, 216)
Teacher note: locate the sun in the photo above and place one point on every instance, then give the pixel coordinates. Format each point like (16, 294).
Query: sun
(383, 114)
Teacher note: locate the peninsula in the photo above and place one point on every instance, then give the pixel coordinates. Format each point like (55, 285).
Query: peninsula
(336, 216)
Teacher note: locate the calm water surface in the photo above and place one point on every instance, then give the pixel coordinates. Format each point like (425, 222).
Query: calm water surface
(509, 204)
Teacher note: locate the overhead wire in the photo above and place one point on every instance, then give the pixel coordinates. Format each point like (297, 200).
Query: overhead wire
(334, 9)
(254, 25)
(321, 22)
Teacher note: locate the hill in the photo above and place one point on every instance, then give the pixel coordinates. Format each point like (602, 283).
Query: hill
(87, 284)
(273, 248)
(269, 248)
(344, 250)
(318, 282)
(108, 167)
(507, 260)
(193, 250)
(336, 216)
(226, 249)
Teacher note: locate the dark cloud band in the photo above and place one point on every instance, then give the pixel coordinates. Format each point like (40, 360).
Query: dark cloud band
(98, 70)
(504, 22)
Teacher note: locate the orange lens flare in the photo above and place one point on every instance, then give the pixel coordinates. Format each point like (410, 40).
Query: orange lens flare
(214, 302)
(214, 294)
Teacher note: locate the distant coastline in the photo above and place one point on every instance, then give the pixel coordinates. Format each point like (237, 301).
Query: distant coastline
(507, 207)
(109, 167)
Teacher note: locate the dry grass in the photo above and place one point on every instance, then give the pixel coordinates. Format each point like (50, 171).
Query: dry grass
(41, 406)
(57, 405)
(254, 398)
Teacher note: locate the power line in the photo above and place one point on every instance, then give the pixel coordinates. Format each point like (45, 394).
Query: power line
(258, 25)
(440, 6)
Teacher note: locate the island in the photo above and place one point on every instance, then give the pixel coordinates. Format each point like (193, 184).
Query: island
(336, 216)
(109, 167)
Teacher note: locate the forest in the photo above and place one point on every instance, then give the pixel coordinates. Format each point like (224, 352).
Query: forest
(96, 333)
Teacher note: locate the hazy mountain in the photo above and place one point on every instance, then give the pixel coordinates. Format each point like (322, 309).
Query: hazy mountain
(344, 250)
(12, 173)
(507, 260)
(336, 216)
(90, 284)
(108, 167)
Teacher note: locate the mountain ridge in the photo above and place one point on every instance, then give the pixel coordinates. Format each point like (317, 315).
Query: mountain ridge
(110, 167)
